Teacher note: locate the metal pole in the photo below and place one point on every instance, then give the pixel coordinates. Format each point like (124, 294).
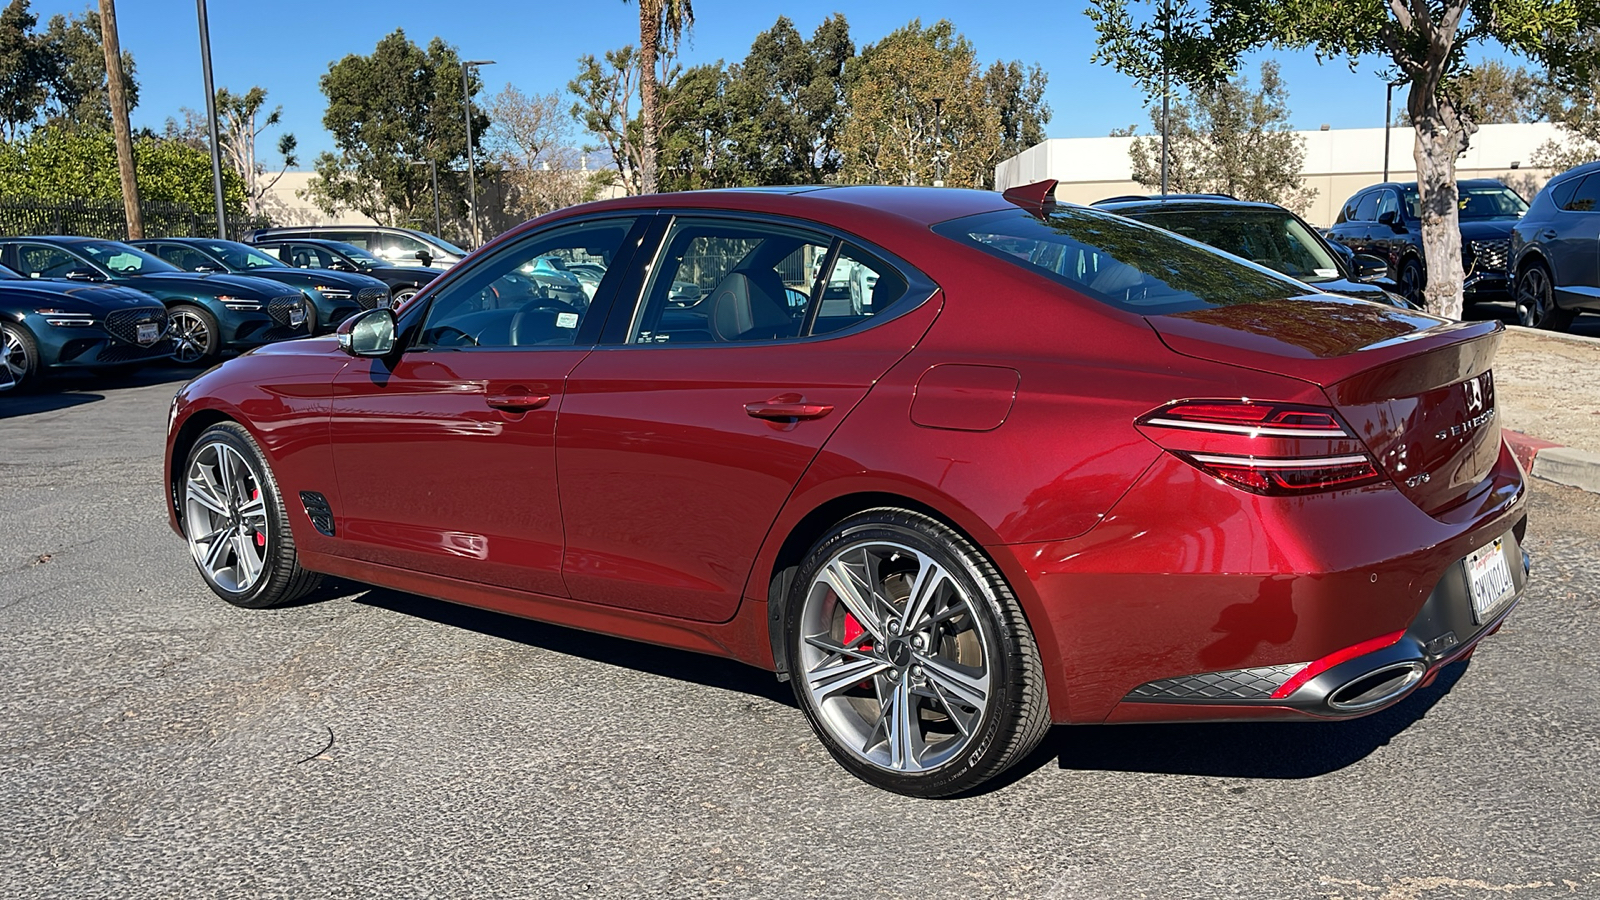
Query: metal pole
(938, 142)
(1388, 116)
(1166, 94)
(211, 117)
(472, 170)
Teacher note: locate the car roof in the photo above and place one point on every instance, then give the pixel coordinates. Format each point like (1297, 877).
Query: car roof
(60, 238)
(1181, 202)
(922, 206)
(1411, 185)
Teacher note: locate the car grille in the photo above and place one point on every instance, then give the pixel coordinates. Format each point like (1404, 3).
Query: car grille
(279, 308)
(371, 298)
(117, 353)
(123, 324)
(1488, 256)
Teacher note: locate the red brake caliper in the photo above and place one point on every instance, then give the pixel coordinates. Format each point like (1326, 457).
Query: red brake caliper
(261, 539)
(853, 630)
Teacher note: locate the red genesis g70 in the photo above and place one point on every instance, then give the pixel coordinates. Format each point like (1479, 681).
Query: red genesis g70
(957, 465)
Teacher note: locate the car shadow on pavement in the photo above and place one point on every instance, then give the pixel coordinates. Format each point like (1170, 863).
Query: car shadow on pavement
(1277, 750)
(14, 405)
(680, 665)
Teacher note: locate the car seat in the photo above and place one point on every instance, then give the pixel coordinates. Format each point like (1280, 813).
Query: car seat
(750, 306)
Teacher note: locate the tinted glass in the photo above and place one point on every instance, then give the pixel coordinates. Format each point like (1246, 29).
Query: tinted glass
(1119, 262)
(1367, 209)
(242, 256)
(123, 259)
(1273, 239)
(8, 275)
(186, 258)
(720, 281)
(1584, 196)
(858, 287)
(501, 303)
(1388, 202)
(40, 261)
(1494, 201)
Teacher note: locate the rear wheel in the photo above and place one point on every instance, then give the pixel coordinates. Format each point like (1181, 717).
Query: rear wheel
(19, 352)
(1412, 280)
(236, 523)
(911, 657)
(1536, 300)
(403, 295)
(195, 336)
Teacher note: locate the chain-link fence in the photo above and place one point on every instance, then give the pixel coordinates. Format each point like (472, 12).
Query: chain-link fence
(102, 219)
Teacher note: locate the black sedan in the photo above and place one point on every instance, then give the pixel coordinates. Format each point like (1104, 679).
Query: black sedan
(306, 253)
(1555, 251)
(49, 326)
(331, 296)
(209, 314)
(1266, 234)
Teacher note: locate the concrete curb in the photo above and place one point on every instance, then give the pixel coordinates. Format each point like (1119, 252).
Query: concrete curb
(1553, 462)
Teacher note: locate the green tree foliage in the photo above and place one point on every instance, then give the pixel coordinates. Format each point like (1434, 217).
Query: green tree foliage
(239, 124)
(54, 164)
(1493, 93)
(1198, 43)
(56, 76)
(889, 135)
(1571, 104)
(24, 68)
(605, 91)
(1229, 138)
(400, 103)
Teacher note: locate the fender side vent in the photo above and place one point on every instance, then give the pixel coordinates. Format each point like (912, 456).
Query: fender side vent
(320, 513)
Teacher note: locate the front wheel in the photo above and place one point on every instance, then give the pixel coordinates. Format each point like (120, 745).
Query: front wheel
(911, 658)
(19, 352)
(402, 296)
(196, 338)
(236, 523)
(1536, 301)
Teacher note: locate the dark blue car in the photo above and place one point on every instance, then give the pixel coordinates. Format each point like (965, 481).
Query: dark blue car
(49, 325)
(1555, 251)
(208, 314)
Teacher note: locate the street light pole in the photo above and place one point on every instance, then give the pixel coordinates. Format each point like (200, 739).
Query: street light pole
(433, 178)
(211, 117)
(938, 142)
(472, 169)
(1388, 116)
(1166, 92)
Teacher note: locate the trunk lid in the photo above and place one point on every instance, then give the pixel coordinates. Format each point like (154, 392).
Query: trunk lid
(1417, 389)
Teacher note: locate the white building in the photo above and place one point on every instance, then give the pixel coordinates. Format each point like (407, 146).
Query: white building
(1337, 164)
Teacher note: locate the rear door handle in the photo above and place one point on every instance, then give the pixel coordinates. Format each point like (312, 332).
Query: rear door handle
(1548, 234)
(517, 400)
(786, 407)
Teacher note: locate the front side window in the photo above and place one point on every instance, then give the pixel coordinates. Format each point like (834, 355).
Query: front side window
(501, 302)
(38, 261)
(1367, 209)
(1134, 267)
(1388, 202)
(186, 258)
(1584, 196)
(243, 256)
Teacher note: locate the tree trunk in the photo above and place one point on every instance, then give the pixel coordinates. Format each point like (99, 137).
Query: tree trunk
(119, 118)
(649, 44)
(1441, 137)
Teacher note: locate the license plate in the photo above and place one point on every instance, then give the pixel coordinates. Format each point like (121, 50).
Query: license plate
(1489, 578)
(146, 334)
(297, 317)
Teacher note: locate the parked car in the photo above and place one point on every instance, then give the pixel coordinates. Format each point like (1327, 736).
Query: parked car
(404, 281)
(48, 326)
(331, 297)
(1383, 220)
(1268, 235)
(1555, 250)
(395, 246)
(1064, 467)
(208, 314)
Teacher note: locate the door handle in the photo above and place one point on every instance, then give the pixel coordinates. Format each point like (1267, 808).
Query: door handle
(787, 406)
(1548, 234)
(517, 400)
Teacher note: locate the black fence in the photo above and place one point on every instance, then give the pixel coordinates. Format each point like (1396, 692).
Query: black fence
(107, 220)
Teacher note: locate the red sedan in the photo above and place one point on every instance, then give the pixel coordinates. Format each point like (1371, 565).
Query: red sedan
(956, 465)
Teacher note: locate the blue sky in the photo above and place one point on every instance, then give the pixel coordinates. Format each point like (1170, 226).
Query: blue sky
(285, 46)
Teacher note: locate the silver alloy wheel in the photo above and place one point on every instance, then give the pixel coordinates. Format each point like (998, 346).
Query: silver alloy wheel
(1534, 298)
(402, 296)
(190, 336)
(894, 658)
(14, 353)
(225, 517)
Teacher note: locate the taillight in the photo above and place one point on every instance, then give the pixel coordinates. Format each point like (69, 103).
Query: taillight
(1263, 447)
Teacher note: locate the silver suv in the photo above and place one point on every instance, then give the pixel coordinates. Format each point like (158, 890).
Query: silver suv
(395, 246)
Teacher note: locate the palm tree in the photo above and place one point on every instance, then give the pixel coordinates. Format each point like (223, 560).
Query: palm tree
(658, 20)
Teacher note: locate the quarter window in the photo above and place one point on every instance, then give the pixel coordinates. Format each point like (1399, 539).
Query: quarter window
(857, 288)
(1586, 198)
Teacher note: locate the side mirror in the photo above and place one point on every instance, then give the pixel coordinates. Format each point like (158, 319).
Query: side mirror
(207, 268)
(424, 257)
(1390, 218)
(368, 334)
(84, 275)
(1369, 268)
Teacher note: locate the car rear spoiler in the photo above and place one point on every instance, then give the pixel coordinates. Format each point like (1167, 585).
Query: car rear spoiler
(1033, 197)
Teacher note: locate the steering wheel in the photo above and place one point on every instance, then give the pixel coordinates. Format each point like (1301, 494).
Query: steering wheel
(521, 320)
(450, 336)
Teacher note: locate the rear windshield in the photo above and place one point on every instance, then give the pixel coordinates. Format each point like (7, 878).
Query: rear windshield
(1120, 262)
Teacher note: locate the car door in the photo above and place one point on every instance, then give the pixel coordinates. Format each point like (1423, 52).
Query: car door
(445, 454)
(684, 433)
(45, 261)
(1384, 240)
(1572, 242)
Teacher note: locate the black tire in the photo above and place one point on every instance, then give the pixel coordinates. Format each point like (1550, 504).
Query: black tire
(280, 578)
(21, 355)
(981, 622)
(1536, 300)
(1412, 280)
(196, 339)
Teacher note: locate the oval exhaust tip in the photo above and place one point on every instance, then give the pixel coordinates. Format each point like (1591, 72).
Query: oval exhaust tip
(1377, 687)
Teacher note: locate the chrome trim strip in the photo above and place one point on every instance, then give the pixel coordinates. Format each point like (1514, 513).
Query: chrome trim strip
(1252, 430)
(1259, 463)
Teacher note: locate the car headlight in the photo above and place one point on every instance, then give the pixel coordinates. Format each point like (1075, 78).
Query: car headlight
(331, 292)
(238, 304)
(62, 318)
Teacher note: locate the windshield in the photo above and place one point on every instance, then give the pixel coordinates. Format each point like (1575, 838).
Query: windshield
(361, 257)
(122, 259)
(441, 243)
(1482, 201)
(1270, 238)
(1134, 267)
(241, 256)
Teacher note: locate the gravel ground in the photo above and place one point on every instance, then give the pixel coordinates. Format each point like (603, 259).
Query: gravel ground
(156, 742)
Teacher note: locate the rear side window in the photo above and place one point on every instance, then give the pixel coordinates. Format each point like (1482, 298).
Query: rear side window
(1585, 198)
(1119, 262)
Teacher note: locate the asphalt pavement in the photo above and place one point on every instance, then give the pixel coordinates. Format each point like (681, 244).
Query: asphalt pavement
(155, 742)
